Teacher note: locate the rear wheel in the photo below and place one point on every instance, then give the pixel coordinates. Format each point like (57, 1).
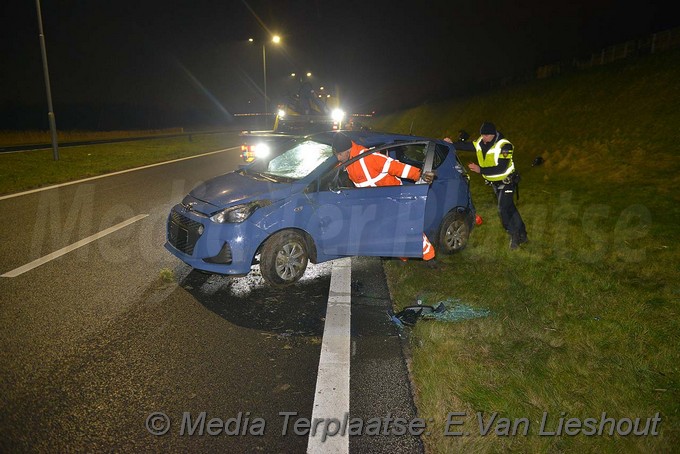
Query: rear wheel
(453, 233)
(283, 258)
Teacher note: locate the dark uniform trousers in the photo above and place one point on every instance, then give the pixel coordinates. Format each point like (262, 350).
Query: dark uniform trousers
(510, 217)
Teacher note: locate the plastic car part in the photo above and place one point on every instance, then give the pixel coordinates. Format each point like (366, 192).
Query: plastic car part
(224, 256)
(453, 233)
(283, 258)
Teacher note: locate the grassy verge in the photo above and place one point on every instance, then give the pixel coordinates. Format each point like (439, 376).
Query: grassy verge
(9, 138)
(585, 321)
(585, 318)
(27, 170)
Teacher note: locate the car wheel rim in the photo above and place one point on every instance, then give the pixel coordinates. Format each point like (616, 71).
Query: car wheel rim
(455, 235)
(290, 261)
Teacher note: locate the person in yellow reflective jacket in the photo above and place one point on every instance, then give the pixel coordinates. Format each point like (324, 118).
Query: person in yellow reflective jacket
(494, 163)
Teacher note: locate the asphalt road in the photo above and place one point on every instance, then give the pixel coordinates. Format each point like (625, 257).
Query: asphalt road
(95, 341)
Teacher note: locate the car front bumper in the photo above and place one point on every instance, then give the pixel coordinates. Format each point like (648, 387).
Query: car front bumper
(208, 246)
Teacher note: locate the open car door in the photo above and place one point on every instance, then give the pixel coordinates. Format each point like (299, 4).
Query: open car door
(384, 221)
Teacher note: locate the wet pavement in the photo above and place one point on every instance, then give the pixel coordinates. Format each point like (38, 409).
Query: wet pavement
(102, 344)
(185, 348)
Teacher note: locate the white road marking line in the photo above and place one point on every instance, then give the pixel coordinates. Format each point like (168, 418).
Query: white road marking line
(9, 196)
(331, 397)
(42, 260)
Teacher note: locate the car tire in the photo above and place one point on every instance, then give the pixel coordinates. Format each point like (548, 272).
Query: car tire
(453, 233)
(283, 258)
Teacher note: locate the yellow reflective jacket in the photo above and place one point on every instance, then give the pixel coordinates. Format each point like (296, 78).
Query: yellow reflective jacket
(495, 165)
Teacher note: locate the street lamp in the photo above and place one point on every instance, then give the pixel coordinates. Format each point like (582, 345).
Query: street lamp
(276, 39)
(46, 73)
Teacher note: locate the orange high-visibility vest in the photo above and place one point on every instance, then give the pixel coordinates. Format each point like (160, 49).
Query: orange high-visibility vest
(376, 169)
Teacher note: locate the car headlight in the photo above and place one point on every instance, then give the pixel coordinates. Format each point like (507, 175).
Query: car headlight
(238, 213)
(261, 150)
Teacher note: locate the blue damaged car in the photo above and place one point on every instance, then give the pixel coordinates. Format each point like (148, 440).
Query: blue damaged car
(298, 205)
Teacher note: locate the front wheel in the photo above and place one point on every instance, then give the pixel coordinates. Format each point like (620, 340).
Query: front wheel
(453, 233)
(283, 258)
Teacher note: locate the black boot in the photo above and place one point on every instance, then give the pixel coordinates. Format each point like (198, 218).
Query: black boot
(517, 239)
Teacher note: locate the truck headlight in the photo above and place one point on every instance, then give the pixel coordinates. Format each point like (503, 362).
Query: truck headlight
(337, 114)
(238, 213)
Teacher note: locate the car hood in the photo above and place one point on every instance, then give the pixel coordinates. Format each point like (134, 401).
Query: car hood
(233, 187)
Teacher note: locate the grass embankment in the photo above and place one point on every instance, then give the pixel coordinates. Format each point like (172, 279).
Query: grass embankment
(586, 316)
(31, 169)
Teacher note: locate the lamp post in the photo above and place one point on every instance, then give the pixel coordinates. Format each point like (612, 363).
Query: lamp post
(46, 73)
(276, 39)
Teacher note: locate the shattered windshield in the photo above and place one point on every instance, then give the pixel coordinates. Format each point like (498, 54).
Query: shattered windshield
(299, 161)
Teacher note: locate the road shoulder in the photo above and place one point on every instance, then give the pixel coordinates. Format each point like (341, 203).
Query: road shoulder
(380, 383)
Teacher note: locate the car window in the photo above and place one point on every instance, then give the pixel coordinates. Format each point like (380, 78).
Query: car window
(413, 154)
(299, 161)
(440, 152)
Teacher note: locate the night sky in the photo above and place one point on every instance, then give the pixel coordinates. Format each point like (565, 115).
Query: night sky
(192, 58)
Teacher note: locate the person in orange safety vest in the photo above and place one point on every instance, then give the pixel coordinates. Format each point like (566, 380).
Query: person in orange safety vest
(376, 169)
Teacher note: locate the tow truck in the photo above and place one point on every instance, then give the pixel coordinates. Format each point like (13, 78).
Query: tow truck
(305, 113)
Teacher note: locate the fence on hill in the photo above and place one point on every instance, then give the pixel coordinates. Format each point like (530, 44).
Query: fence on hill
(657, 42)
